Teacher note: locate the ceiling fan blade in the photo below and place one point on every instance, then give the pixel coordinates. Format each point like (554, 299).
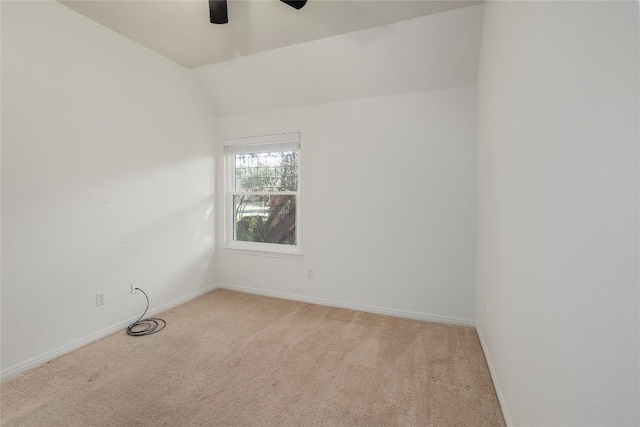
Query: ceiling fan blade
(297, 4)
(218, 11)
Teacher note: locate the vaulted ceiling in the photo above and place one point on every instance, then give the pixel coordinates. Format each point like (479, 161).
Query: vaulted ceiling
(439, 51)
(180, 29)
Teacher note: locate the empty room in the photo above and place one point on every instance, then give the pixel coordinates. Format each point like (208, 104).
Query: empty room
(320, 213)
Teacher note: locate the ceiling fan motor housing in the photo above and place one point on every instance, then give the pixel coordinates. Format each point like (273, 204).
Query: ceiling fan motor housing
(218, 9)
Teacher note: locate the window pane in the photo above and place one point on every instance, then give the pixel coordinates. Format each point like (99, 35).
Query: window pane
(266, 219)
(275, 171)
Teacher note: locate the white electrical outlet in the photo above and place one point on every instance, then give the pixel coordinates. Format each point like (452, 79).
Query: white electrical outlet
(309, 274)
(133, 288)
(99, 299)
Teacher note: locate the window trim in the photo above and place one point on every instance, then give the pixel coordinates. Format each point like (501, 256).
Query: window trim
(256, 144)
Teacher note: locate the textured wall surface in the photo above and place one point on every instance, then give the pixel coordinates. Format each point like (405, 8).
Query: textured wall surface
(558, 210)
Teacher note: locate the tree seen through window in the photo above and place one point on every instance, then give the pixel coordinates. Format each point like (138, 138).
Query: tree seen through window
(264, 200)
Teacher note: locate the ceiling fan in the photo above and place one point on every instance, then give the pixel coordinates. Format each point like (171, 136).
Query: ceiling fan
(218, 9)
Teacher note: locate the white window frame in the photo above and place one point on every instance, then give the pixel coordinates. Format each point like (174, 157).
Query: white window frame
(257, 144)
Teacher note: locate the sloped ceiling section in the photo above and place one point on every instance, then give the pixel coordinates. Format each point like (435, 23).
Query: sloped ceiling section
(428, 53)
(180, 29)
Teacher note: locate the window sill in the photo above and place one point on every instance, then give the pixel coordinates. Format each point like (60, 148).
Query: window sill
(253, 252)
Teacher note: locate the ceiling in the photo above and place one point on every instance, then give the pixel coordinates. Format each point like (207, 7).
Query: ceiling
(180, 29)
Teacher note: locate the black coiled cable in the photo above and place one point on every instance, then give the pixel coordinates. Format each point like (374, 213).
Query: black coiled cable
(149, 326)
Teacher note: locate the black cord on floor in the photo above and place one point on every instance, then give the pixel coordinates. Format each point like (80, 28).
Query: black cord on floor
(149, 326)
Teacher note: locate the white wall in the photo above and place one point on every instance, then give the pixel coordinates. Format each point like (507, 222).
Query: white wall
(388, 163)
(558, 210)
(432, 52)
(388, 203)
(107, 179)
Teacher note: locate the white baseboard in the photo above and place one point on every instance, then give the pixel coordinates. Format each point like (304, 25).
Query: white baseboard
(496, 384)
(366, 308)
(17, 369)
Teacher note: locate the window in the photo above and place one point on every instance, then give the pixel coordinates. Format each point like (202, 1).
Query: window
(262, 193)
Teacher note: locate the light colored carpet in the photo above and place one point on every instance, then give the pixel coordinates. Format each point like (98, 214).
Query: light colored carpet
(233, 359)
